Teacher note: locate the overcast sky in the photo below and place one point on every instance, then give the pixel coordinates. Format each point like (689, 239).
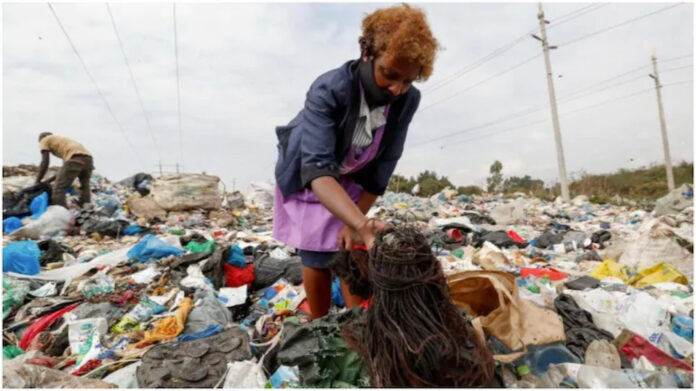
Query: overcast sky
(245, 68)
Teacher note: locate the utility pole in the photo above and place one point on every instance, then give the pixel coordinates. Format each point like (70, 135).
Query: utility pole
(663, 126)
(160, 167)
(565, 193)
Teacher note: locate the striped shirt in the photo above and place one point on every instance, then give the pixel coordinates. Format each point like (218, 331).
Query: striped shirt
(368, 121)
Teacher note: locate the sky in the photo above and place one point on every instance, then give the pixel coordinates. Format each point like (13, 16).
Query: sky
(245, 69)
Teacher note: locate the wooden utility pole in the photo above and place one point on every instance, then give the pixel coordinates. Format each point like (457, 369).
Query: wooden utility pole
(565, 193)
(663, 125)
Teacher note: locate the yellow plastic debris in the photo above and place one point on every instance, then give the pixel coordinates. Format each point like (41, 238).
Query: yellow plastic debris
(172, 326)
(662, 272)
(401, 205)
(609, 268)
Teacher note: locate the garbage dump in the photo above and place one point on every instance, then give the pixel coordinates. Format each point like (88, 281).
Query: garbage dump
(172, 283)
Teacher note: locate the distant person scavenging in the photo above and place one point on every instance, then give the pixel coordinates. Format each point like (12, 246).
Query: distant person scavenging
(77, 163)
(337, 155)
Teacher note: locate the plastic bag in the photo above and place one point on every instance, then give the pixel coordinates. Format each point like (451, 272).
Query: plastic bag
(235, 257)
(55, 221)
(39, 205)
(19, 375)
(84, 336)
(170, 327)
(195, 247)
(124, 377)
(609, 268)
(244, 374)
(13, 293)
(675, 201)
(662, 272)
(21, 257)
(11, 351)
(11, 224)
(152, 247)
(70, 272)
(99, 284)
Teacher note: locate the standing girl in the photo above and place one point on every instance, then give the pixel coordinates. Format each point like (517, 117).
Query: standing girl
(337, 155)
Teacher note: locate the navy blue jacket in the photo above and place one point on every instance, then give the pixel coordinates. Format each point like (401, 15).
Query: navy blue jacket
(317, 140)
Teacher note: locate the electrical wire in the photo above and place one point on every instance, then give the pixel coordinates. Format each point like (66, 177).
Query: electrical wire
(644, 91)
(567, 98)
(565, 18)
(132, 77)
(91, 78)
(483, 81)
(609, 28)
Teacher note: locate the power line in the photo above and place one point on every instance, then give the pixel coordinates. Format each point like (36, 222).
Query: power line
(534, 110)
(441, 83)
(178, 91)
(575, 92)
(601, 31)
(576, 14)
(483, 81)
(568, 113)
(91, 78)
(477, 63)
(135, 85)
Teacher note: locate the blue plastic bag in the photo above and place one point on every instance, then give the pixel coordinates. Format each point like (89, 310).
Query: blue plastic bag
(21, 257)
(132, 230)
(39, 205)
(151, 247)
(236, 257)
(207, 332)
(337, 294)
(11, 224)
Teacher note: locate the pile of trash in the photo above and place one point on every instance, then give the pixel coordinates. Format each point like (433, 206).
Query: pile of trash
(169, 282)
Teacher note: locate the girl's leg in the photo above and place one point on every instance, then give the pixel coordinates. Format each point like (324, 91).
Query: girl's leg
(351, 300)
(317, 284)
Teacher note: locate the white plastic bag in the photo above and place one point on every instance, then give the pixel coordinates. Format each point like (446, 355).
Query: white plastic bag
(70, 272)
(244, 374)
(124, 377)
(55, 221)
(84, 336)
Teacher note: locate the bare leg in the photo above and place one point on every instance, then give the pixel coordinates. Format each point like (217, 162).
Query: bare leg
(317, 284)
(351, 300)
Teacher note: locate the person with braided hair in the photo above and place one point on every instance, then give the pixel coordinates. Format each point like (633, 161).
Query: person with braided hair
(337, 155)
(413, 335)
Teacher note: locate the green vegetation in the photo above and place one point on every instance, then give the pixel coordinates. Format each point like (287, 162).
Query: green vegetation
(643, 184)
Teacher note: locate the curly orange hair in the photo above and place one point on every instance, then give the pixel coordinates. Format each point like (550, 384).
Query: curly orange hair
(401, 30)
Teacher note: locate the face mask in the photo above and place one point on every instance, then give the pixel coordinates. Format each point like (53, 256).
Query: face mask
(374, 95)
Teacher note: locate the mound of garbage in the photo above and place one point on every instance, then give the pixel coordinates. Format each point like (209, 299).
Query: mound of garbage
(171, 282)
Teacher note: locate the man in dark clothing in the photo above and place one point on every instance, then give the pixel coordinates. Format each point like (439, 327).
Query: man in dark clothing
(77, 163)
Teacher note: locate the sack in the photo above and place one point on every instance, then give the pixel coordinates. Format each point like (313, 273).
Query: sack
(147, 208)
(491, 297)
(55, 221)
(187, 191)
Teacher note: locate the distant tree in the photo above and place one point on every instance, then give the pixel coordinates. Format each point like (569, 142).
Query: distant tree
(469, 190)
(495, 181)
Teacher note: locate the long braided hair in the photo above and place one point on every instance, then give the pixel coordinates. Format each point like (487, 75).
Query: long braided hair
(413, 335)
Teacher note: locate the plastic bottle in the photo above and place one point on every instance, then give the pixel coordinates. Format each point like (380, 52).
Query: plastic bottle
(525, 378)
(683, 326)
(540, 357)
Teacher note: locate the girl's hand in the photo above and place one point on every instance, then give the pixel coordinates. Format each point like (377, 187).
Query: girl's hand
(347, 237)
(367, 230)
